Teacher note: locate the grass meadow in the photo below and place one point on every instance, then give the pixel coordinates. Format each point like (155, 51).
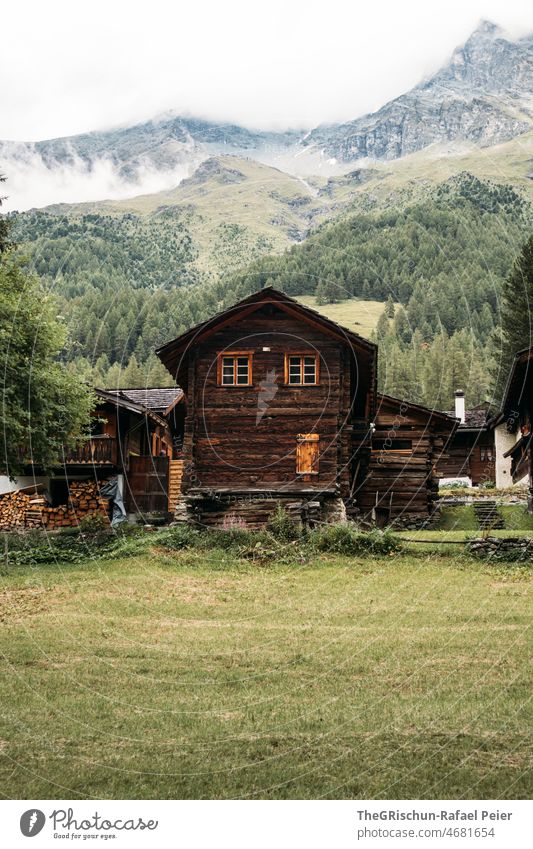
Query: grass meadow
(195, 674)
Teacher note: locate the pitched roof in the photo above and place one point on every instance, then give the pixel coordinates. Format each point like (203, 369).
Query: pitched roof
(517, 381)
(171, 353)
(446, 419)
(117, 398)
(158, 399)
(476, 418)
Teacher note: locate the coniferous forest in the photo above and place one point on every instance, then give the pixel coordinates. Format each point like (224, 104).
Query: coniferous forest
(126, 283)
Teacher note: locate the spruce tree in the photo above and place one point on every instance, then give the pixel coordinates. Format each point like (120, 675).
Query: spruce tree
(4, 226)
(389, 308)
(516, 316)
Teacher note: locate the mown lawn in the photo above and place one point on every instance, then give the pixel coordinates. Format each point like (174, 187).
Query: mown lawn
(192, 675)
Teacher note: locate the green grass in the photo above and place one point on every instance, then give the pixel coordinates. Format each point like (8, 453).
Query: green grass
(355, 314)
(410, 176)
(231, 221)
(463, 518)
(194, 675)
(516, 517)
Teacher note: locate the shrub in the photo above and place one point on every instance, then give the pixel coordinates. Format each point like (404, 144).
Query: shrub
(281, 526)
(346, 539)
(93, 523)
(233, 538)
(178, 537)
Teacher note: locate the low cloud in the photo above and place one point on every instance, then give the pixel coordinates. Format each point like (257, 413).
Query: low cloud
(32, 182)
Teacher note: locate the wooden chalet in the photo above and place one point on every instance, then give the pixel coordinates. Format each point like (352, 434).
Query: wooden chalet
(137, 434)
(408, 442)
(517, 417)
(279, 405)
(282, 408)
(136, 437)
(471, 453)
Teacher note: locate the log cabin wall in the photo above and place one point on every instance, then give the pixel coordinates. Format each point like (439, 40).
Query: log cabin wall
(246, 438)
(401, 486)
(471, 454)
(482, 459)
(517, 414)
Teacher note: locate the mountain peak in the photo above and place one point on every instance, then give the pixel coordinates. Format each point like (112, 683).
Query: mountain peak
(487, 29)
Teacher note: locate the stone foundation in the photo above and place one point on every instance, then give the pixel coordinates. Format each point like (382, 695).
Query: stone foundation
(253, 511)
(517, 548)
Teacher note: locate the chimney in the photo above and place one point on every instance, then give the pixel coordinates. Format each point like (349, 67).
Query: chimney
(460, 405)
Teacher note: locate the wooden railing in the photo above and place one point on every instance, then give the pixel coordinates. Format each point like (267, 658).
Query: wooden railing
(97, 449)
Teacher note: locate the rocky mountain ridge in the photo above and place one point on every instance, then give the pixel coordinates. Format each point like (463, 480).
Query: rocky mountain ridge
(482, 96)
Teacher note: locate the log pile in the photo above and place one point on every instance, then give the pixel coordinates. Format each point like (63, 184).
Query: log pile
(13, 506)
(31, 510)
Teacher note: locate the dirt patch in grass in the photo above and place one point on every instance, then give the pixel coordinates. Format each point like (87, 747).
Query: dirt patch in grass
(20, 602)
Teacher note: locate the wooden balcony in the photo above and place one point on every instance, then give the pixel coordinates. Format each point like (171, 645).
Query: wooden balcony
(98, 450)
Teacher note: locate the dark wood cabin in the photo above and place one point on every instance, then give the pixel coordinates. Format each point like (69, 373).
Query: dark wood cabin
(471, 453)
(135, 438)
(279, 402)
(135, 434)
(517, 415)
(409, 440)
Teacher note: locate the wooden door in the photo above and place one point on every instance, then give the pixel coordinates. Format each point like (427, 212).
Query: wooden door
(307, 454)
(146, 485)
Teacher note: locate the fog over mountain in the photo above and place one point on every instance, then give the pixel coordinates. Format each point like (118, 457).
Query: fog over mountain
(483, 96)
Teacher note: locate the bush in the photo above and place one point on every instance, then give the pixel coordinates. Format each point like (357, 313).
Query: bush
(232, 538)
(72, 545)
(346, 539)
(281, 526)
(93, 523)
(178, 537)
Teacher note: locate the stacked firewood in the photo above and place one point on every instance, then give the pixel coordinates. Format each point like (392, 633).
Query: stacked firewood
(85, 498)
(13, 506)
(20, 509)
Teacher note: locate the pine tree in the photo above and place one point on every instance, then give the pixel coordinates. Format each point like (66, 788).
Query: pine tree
(4, 226)
(133, 376)
(156, 373)
(113, 378)
(382, 327)
(389, 308)
(516, 316)
(320, 294)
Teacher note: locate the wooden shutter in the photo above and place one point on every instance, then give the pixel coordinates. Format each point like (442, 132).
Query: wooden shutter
(307, 453)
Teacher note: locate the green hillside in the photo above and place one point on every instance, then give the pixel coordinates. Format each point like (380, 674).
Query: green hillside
(359, 314)
(131, 274)
(230, 212)
(442, 258)
(408, 179)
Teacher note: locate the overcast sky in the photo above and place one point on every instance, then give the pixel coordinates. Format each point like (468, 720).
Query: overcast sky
(68, 67)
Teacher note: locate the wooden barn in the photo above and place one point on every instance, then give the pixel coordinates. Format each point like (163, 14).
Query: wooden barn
(279, 405)
(408, 442)
(282, 408)
(517, 417)
(137, 434)
(471, 453)
(136, 438)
